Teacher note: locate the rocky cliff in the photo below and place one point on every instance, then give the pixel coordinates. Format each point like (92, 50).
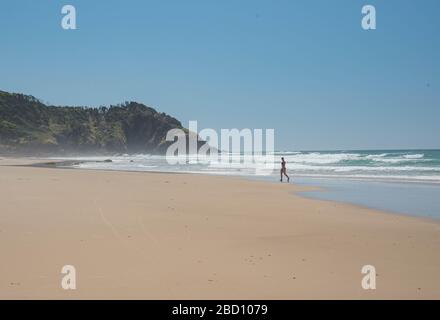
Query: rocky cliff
(29, 126)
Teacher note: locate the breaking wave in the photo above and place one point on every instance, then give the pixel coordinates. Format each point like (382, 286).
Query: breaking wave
(406, 165)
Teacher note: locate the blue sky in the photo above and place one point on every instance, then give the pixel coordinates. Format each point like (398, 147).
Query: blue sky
(305, 68)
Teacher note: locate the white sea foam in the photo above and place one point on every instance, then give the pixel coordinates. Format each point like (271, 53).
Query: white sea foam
(414, 156)
(403, 165)
(320, 158)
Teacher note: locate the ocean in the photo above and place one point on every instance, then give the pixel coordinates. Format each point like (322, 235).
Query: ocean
(402, 181)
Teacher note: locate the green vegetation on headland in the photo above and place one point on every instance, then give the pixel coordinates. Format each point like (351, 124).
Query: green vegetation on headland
(28, 126)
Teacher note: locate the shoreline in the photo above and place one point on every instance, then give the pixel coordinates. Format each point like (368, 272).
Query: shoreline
(68, 164)
(166, 236)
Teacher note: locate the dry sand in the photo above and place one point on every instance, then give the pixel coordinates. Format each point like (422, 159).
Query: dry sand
(181, 236)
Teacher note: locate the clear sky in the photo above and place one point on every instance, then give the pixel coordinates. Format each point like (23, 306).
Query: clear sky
(305, 68)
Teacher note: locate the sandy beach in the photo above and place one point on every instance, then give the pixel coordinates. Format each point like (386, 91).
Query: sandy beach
(180, 236)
